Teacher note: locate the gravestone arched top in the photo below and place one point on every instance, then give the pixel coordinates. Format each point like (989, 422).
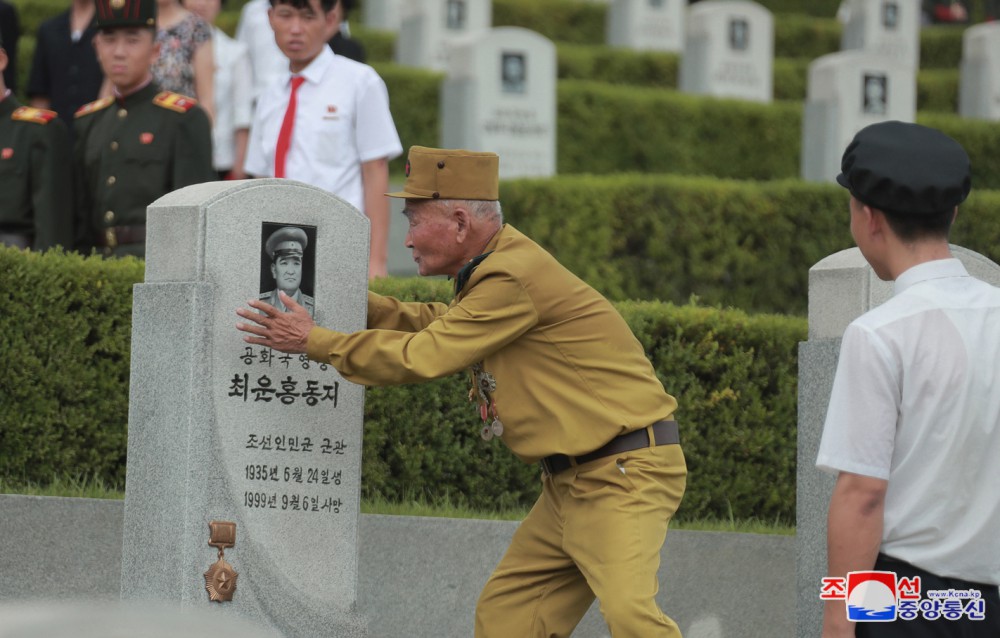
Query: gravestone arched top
(842, 287)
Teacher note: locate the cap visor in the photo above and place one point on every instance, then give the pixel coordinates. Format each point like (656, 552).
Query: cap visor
(405, 195)
(842, 180)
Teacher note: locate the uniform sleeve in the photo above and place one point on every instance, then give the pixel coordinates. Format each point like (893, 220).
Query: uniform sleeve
(51, 190)
(256, 163)
(375, 131)
(860, 428)
(242, 79)
(388, 313)
(192, 156)
(494, 313)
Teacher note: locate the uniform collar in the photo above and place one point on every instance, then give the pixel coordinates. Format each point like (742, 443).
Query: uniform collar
(465, 273)
(316, 69)
(143, 94)
(937, 269)
(8, 104)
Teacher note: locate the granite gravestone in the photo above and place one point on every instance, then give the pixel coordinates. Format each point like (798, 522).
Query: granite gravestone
(222, 431)
(884, 27)
(729, 50)
(979, 86)
(500, 96)
(383, 15)
(646, 25)
(429, 27)
(848, 91)
(842, 287)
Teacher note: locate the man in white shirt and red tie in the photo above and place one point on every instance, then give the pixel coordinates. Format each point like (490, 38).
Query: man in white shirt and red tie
(326, 122)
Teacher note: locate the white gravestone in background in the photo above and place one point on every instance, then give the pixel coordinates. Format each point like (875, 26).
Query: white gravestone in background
(500, 96)
(223, 431)
(847, 92)
(382, 14)
(979, 87)
(884, 27)
(429, 27)
(729, 50)
(646, 25)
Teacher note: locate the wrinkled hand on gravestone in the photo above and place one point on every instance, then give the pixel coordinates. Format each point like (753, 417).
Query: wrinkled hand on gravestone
(282, 331)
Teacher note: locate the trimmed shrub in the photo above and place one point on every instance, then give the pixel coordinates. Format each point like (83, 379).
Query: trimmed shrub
(63, 410)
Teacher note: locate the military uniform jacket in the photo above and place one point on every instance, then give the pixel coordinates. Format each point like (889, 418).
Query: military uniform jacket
(131, 151)
(35, 175)
(569, 373)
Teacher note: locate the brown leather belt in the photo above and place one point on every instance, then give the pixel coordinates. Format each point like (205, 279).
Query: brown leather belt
(664, 433)
(117, 235)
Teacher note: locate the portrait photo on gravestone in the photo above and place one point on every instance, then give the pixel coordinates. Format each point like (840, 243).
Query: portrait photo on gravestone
(288, 263)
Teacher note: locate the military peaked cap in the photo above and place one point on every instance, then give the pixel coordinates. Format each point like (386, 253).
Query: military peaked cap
(288, 240)
(125, 13)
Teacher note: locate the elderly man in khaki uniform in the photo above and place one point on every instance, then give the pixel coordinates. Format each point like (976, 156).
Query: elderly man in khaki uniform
(559, 377)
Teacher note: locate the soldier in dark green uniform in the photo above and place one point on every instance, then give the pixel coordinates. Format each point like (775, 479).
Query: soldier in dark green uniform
(138, 145)
(36, 209)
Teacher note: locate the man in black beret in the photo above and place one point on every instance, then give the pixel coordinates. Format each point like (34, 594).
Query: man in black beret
(913, 427)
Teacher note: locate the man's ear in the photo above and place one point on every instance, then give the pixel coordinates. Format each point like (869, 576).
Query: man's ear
(3, 60)
(462, 218)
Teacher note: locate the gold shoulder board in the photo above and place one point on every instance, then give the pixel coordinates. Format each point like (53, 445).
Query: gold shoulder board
(93, 107)
(175, 101)
(31, 114)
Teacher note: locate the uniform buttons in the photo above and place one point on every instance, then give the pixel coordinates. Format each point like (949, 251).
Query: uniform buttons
(441, 164)
(114, 146)
(122, 113)
(111, 181)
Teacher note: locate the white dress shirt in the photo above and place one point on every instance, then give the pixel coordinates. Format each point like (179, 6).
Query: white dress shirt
(342, 120)
(267, 62)
(233, 97)
(916, 401)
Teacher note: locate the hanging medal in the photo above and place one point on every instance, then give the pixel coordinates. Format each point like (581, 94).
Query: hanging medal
(483, 387)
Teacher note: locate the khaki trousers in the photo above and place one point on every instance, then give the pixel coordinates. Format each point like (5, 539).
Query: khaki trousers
(595, 530)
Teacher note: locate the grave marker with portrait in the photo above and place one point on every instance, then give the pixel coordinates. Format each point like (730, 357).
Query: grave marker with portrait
(729, 50)
(848, 91)
(646, 25)
(430, 27)
(884, 27)
(979, 86)
(500, 96)
(240, 448)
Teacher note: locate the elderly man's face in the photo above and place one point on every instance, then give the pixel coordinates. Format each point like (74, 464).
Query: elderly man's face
(431, 237)
(287, 272)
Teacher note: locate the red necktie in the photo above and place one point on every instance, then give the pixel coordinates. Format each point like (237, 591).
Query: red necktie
(285, 134)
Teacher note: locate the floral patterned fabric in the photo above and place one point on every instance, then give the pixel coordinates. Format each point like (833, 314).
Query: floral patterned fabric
(174, 69)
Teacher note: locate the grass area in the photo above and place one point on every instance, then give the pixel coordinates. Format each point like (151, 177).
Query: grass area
(86, 487)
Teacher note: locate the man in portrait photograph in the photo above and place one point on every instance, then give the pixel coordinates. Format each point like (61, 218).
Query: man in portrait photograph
(875, 94)
(512, 72)
(285, 248)
(456, 14)
(739, 30)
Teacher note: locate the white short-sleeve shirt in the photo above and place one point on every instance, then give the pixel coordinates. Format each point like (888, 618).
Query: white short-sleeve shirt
(916, 401)
(267, 62)
(342, 120)
(233, 97)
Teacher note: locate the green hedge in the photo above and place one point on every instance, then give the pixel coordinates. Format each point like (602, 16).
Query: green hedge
(607, 128)
(63, 403)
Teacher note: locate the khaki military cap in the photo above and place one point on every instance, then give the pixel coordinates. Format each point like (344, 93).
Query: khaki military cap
(125, 13)
(286, 241)
(435, 173)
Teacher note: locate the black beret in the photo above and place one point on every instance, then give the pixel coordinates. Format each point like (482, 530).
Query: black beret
(906, 169)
